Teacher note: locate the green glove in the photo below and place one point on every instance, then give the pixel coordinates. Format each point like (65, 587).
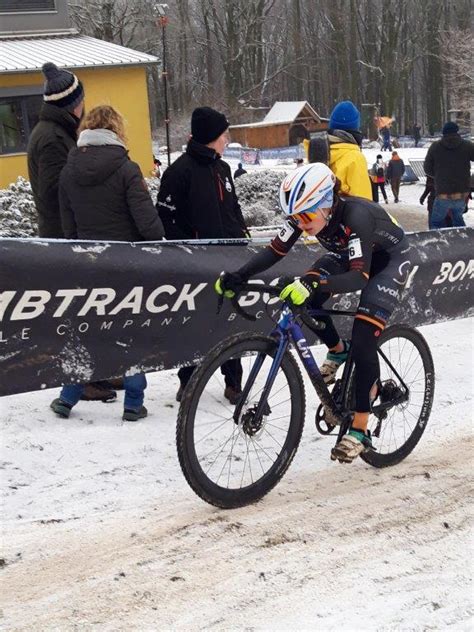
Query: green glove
(298, 292)
(228, 284)
(221, 291)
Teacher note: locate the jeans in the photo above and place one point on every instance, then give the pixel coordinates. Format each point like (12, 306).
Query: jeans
(135, 386)
(441, 208)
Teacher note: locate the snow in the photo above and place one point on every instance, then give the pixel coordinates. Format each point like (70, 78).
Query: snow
(102, 532)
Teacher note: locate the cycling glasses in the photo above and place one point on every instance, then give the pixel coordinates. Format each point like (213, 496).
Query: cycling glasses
(301, 219)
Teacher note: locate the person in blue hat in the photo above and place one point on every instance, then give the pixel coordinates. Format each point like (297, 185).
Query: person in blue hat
(346, 160)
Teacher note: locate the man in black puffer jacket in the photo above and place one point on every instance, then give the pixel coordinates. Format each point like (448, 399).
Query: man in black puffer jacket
(197, 200)
(50, 142)
(448, 162)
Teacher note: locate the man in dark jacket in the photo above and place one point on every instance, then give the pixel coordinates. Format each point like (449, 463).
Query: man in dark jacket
(416, 134)
(240, 171)
(448, 162)
(51, 140)
(395, 171)
(197, 200)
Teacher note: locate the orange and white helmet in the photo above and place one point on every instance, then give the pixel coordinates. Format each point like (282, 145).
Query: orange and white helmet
(307, 189)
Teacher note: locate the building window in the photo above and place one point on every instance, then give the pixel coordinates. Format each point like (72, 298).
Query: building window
(18, 116)
(26, 6)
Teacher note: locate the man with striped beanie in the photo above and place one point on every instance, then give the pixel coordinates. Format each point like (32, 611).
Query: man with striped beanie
(52, 138)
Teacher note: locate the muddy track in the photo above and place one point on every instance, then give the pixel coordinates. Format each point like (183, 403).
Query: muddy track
(184, 565)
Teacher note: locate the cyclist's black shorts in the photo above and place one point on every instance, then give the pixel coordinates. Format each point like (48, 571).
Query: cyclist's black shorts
(383, 292)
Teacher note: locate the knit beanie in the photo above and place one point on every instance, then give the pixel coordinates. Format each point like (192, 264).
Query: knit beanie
(450, 128)
(61, 87)
(345, 115)
(207, 125)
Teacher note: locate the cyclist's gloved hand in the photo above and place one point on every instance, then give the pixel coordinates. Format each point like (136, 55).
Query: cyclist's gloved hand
(299, 291)
(228, 284)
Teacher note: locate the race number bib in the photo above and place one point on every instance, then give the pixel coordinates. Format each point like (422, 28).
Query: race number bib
(286, 232)
(355, 249)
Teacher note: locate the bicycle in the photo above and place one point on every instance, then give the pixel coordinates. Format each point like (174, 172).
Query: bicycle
(217, 443)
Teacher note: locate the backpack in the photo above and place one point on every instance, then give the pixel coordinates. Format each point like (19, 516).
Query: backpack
(318, 150)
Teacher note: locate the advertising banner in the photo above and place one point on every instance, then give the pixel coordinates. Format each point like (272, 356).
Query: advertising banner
(75, 311)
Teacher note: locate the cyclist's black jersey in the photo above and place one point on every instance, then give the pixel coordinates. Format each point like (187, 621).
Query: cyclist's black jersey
(357, 229)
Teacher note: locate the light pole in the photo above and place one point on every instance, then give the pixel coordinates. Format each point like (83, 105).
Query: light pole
(162, 21)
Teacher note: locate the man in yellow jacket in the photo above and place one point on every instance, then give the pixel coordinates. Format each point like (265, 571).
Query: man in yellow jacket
(346, 159)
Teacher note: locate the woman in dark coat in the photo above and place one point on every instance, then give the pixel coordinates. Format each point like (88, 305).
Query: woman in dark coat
(103, 195)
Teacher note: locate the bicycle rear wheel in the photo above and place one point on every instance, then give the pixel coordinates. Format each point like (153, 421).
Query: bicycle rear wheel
(404, 401)
(231, 463)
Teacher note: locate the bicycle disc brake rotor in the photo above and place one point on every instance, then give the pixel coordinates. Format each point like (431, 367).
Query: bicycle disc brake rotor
(250, 424)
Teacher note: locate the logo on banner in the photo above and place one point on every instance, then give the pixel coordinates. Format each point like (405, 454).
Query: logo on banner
(452, 277)
(135, 308)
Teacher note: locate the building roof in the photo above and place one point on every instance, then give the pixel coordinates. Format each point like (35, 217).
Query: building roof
(288, 111)
(75, 51)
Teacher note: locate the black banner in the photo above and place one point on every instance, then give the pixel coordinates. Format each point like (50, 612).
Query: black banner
(83, 311)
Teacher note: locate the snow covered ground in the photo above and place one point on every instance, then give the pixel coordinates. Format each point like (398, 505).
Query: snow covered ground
(101, 532)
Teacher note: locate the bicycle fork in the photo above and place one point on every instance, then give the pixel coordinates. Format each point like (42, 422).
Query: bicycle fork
(262, 406)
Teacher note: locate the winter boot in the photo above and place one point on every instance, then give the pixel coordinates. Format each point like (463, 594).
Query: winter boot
(332, 362)
(61, 408)
(94, 392)
(134, 415)
(232, 394)
(351, 445)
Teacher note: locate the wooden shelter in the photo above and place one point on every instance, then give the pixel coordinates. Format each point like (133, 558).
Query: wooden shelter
(287, 123)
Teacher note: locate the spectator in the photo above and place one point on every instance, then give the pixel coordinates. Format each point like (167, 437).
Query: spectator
(156, 171)
(239, 171)
(429, 193)
(342, 151)
(103, 195)
(52, 138)
(386, 144)
(416, 134)
(197, 200)
(448, 163)
(395, 171)
(378, 170)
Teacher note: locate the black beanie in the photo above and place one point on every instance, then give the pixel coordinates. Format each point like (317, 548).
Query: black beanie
(61, 87)
(450, 128)
(207, 125)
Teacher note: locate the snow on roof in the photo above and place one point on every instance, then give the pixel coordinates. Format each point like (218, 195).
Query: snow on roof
(288, 111)
(27, 54)
(263, 123)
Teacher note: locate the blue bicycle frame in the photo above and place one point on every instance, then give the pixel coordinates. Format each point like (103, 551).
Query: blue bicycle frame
(289, 331)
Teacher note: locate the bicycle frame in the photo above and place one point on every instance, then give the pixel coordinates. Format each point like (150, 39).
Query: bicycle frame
(289, 331)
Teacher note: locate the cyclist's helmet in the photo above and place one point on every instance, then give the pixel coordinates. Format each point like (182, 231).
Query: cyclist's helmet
(307, 189)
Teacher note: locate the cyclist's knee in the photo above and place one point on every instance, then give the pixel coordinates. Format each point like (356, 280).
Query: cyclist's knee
(364, 341)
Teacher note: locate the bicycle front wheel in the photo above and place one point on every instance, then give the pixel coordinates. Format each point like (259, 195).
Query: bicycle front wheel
(405, 397)
(231, 462)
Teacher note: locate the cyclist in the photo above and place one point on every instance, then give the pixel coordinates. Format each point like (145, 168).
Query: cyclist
(367, 252)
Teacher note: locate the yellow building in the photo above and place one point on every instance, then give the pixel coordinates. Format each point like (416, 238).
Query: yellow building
(110, 74)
